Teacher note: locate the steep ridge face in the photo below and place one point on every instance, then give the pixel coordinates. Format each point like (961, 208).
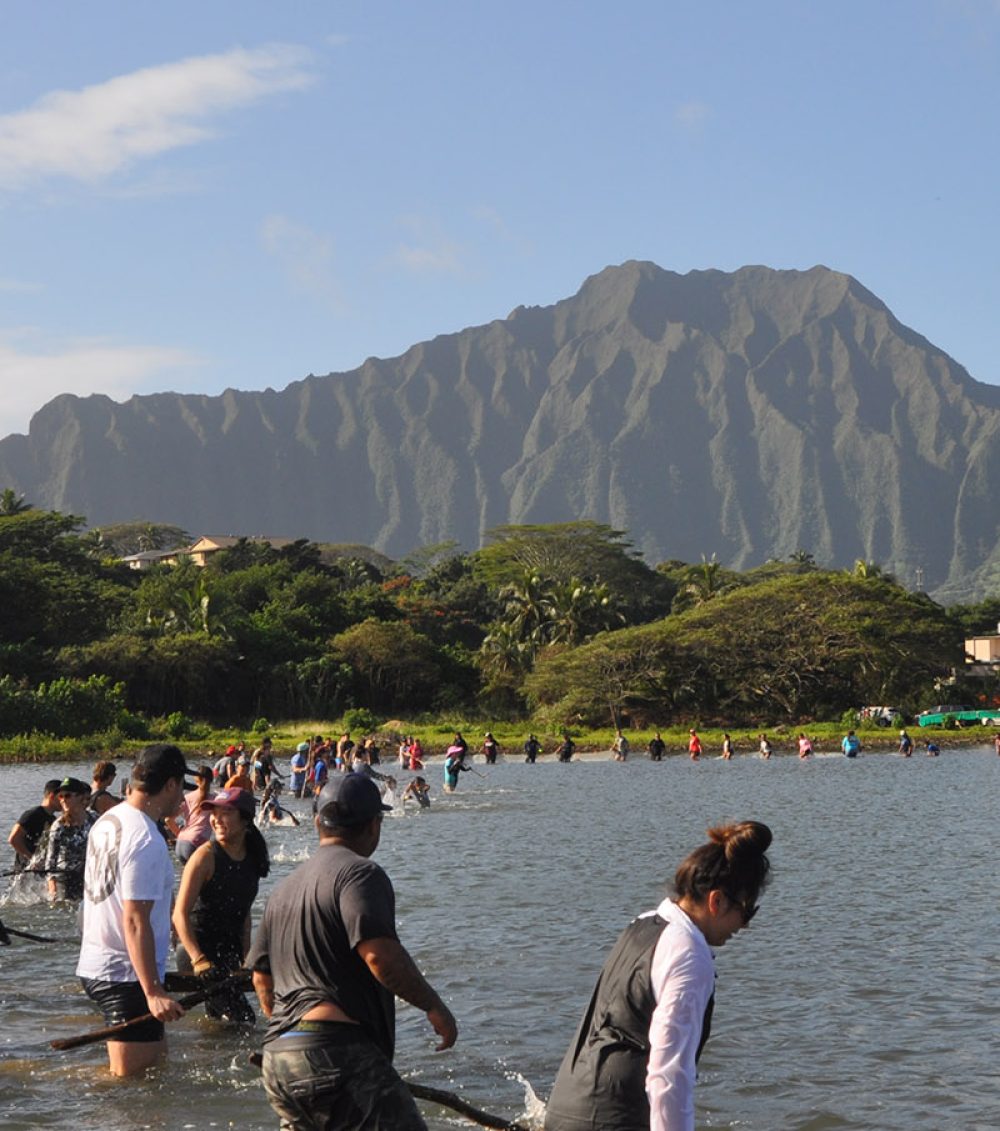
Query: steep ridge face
(747, 414)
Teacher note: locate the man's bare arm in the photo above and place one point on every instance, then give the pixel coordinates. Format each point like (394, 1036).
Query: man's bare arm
(263, 984)
(390, 962)
(141, 948)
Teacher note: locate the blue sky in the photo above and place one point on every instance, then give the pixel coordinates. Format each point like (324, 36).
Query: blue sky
(195, 196)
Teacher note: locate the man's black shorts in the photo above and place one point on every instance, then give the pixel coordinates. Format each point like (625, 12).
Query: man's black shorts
(121, 1001)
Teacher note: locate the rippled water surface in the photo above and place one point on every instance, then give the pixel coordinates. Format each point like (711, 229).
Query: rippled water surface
(866, 994)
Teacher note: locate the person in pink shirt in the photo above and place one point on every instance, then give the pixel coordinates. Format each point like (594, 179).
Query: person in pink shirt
(196, 829)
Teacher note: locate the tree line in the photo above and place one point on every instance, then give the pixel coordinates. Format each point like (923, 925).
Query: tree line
(561, 622)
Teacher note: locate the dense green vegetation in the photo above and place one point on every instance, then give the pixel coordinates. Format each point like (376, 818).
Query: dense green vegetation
(562, 625)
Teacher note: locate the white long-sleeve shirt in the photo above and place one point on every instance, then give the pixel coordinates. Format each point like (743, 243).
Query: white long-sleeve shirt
(683, 977)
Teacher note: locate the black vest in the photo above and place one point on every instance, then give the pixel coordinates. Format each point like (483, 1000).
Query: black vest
(601, 1084)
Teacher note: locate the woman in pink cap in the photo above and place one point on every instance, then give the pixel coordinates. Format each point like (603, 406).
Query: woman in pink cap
(218, 888)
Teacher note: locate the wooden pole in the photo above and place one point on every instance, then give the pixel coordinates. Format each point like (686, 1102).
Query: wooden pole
(109, 1032)
(456, 1103)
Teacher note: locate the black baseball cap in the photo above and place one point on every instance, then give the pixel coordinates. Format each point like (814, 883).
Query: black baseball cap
(73, 785)
(349, 799)
(155, 765)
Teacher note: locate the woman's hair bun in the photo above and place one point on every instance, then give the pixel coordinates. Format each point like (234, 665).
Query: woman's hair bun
(744, 838)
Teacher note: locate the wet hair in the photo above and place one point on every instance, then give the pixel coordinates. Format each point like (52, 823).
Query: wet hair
(51, 786)
(734, 861)
(104, 771)
(204, 773)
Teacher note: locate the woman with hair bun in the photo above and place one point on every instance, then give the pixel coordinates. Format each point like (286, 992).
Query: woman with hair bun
(632, 1064)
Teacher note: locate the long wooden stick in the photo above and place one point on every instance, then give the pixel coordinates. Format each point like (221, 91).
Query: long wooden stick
(6, 932)
(456, 1103)
(109, 1032)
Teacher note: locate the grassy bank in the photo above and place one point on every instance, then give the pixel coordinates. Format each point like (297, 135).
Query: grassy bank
(204, 742)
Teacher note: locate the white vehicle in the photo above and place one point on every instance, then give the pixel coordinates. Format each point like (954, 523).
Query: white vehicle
(881, 716)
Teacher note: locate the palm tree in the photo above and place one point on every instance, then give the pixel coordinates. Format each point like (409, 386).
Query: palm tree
(527, 607)
(865, 569)
(702, 583)
(11, 503)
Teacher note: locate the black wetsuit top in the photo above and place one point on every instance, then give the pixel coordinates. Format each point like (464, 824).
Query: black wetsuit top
(222, 908)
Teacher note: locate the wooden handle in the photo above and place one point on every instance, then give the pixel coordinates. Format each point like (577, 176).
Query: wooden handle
(109, 1032)
(456, 1103)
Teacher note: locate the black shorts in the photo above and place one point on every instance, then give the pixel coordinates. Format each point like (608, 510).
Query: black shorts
(121, 1001)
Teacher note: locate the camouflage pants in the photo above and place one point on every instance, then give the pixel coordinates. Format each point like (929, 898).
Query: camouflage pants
(339, 1082)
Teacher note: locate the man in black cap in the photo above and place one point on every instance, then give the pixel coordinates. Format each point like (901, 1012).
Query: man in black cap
(31, 826)
(327, 965)
(128, 885)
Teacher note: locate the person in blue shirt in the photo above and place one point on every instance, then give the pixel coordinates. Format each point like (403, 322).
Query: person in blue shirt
(851, 744)
(905, 744)
(933, 750)
(300, 760)
(454, 764)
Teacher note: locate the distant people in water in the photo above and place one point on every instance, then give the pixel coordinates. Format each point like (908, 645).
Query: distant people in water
(656, 748)
(764, 747)
(454, 764)
(416, 754)
(694, 745)
(933, 750)
(851, 745)
(299, 767)
(996, 742)
(66, 853)
(30, 831)
(727, 747)
(491, 748)
(531, 748)
(567, 748)
(101, 797)
(905, 744)
(419, 791)
(620, 747)
(805, 746)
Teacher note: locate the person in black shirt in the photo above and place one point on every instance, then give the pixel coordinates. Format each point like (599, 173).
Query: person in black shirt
(218, 887)
(567, 748)
(656, 748)
(29, 829)
(531, 748)
(327, 966)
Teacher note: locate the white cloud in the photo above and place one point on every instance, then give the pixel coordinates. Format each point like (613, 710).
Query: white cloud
(692, 115)
(32, 377)
(305, 256)
(431, 252)
(92, 133)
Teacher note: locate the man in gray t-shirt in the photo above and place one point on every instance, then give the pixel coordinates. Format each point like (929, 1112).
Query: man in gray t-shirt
(327, 965)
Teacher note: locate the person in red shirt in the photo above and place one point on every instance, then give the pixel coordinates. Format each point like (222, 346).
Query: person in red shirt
(694, 745)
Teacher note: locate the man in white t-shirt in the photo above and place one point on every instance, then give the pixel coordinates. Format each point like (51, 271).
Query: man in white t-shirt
(128, 885)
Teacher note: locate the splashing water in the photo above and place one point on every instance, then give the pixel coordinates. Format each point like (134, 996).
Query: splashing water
(534, 1105)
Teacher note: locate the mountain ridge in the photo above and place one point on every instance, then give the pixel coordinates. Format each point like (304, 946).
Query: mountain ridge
(749, 414)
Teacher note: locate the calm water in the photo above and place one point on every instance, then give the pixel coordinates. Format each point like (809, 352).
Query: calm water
(865, 995)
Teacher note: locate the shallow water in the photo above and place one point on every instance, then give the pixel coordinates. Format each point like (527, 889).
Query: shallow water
(865, 995)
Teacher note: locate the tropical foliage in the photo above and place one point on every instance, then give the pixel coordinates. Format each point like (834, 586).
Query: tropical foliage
(564, 620)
